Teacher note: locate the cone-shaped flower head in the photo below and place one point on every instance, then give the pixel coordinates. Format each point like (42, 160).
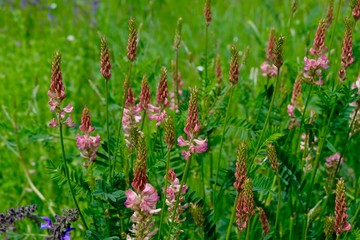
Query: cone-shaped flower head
(329, 226)
(271, 46)
(177, 39)
(272, 156)
(105, 59)
(234, 65)
(132, 41)
(341, 223)
(207, 12)
(240, 173)
(140, 177)
(57, 88)
(330, 13)
(264, 222)
(86, 143)
(144, 94)
(169, 137)
(278, 61)
(319, 41)
(245, 206)
(347, 49)
(218, 71)
(197, 214)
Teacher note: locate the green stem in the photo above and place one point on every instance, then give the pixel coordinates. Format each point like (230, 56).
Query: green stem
(164, 196)
(267, 118)
(203, 181)
(107, 127)
(305, 227)
(291, 227)
(177, 78)
(68, 177)
(222, 140)
(248, 229)
(183, 181)
(228, 232)
(279, 199)
(206, 54)
(318, 152)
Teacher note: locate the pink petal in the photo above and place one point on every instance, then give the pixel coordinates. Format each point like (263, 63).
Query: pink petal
(182, 142)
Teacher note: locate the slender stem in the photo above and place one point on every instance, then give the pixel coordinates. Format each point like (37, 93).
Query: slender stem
(164, 196)
(177, 77)
(222, 140)
(279, 199)
(248, 229)
(143, 120)
(318, 152)
(206, 54)
(203, 181)
(68, 177)
(267, 118)
(291, 227)
(305, 227)
(107, 127)
(232, 217)
(183, 181)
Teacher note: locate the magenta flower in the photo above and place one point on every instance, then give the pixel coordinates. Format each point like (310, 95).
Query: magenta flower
(290, 110)
(268, 70)
(341, 224)
(332, 160)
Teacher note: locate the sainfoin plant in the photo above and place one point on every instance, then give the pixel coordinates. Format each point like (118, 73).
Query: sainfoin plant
(221, 140)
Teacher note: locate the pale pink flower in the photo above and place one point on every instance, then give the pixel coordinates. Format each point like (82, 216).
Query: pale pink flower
(290, 110)
(268, 70)
(195, 146)
(332, 160)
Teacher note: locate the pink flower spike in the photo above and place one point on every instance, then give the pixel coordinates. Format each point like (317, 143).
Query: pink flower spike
(186, 154)
(68, 108)
(53, 123)
(182, 142)
(201, 146)
(132, 199)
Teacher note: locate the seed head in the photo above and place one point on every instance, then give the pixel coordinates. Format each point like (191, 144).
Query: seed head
(105, 59)
(329, 226)
(207, 12)
(177, 39)
(234, 65)
(278, 61)
(197, 214)
(169, 138)
(240, 173)
(132, 40)
(272, 156)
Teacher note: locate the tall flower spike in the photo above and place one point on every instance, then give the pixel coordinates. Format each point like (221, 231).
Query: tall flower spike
(177, 39)
(341, 223)
(234, 65)
(272, 156)
(207, 12)
(169, 138)
(264, 222)
(144, 94)
(240, 173)
(132, 41)
(192, 128)
(218, 71)
(278, 61)
(245, 206)
(356, 9)
(330, 13)
(268, 68)
(319, 41)
(162, 101)
(86, 143)
(329, 226)
(347, 51)
(140, 177)
(105, 59)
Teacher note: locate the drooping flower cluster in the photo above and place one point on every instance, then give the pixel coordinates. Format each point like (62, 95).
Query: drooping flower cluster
(158, 112)
(7, 220)
(347, 51)
(86, 143)
(341, 223)
(60, 229)
(264, 222)
(131, 116)
(57, 95)
(144, 206)
(192, 129)
(314, 66)
(268, 68)
(105, 68)
(245, 206)
(172, 192)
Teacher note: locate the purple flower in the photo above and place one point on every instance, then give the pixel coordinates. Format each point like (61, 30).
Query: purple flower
(66, 235)
(45, 225)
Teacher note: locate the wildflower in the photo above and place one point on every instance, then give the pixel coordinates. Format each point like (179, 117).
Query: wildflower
(132, 41)
(272, 156)
(192, 128)
(131, 116)
(140, 178)
(61, 228)
(234, 65)
(197, 214)
(105, 59)
(144, 94)
(57, 95)
(86, 143)
(268, 68)
(329, 226)
(177, 39)
(9, 218)
(332, 160)
(341, 223)
(218, 71)
(144, 206)
(264, 222)
(330, 13)
(347, 52)
(169, 137)
(207, 12)
(313, 67)
(158, 111)
(245, 206)
(171, 192)
(240, 173)
(356, 9)
(178, 83)
(278, 59)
